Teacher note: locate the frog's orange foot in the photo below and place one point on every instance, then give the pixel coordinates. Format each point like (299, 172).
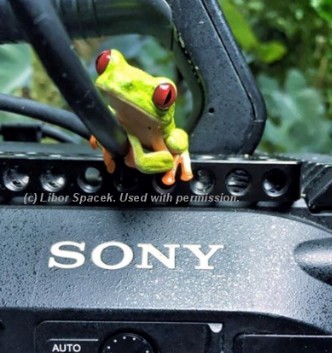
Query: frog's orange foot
(93, 142)
(109, 162)
(130, 159)
(185, 176)
(168, 178)
(186, 172)
(110, 166)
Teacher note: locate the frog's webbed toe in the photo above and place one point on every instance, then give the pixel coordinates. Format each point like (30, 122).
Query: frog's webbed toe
(186, 172)
(169, 177)
(182, 159)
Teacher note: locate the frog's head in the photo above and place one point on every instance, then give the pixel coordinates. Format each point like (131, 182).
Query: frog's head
(129, 88)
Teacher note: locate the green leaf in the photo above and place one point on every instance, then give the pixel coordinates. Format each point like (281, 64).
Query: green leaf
(15, 68)
(295, 81)
(267, 84)
(240, 27)
(297, 115)
(268, 53)
(324, 8)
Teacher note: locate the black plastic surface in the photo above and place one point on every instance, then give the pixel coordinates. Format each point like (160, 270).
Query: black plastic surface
(284, 344)
(315, 257)
(233, 113)
(256, 271)
(124, 337)
(317, 181)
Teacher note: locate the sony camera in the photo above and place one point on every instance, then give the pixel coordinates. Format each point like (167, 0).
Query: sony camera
(238, 260)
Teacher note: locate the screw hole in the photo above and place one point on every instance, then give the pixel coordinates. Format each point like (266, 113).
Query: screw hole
(203, 182)
(238, 182)
(127, 180)
(91, 180)
(211, 110)
(160, 187)
(16, 179)
(52, 181)
(275, 183)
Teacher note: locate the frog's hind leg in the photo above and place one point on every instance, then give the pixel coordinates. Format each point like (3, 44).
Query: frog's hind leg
(93, 142)
(152, 162)
(108, 160)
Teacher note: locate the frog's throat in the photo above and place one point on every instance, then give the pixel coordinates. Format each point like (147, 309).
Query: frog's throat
(168, 128)
(166, 125)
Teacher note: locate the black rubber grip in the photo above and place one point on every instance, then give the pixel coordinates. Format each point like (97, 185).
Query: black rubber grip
(94, 18)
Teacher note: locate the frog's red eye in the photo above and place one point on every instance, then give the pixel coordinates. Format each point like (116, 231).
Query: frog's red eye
(164, 96)
(102, 61)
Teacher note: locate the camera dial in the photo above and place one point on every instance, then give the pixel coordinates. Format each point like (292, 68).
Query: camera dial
(127, 343)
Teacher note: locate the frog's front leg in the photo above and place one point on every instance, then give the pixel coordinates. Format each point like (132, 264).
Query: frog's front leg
(152, 162)
(178, 144)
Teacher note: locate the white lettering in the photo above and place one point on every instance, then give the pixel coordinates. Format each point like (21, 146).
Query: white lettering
(57, 251)
(97, 253)
(64, 251)
(67, 347)
(147, 249)
(203, 258)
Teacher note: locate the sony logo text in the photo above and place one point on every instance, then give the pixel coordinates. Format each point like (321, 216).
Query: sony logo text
(69, 255)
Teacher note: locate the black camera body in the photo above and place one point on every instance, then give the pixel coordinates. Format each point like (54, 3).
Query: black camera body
(238, 260)
(82, 280)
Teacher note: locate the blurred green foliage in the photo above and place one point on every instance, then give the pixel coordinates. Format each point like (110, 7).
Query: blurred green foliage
(268, 52)
(288, 46)
(324, 8)
(15, 67)
(296, 116)
(15, 73)
(297, 86)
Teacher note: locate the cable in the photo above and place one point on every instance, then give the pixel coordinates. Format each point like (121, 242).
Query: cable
(48, 37)
(27, 132)
(58, 135)
(44, 113)
(95, 18)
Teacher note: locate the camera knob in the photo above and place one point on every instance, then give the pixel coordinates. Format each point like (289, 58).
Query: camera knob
(127, 343)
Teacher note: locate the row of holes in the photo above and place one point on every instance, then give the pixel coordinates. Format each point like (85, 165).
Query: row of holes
(237, 182)
(17, 180)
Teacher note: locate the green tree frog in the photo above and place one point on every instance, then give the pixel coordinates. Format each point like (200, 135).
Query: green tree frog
(144, 106)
